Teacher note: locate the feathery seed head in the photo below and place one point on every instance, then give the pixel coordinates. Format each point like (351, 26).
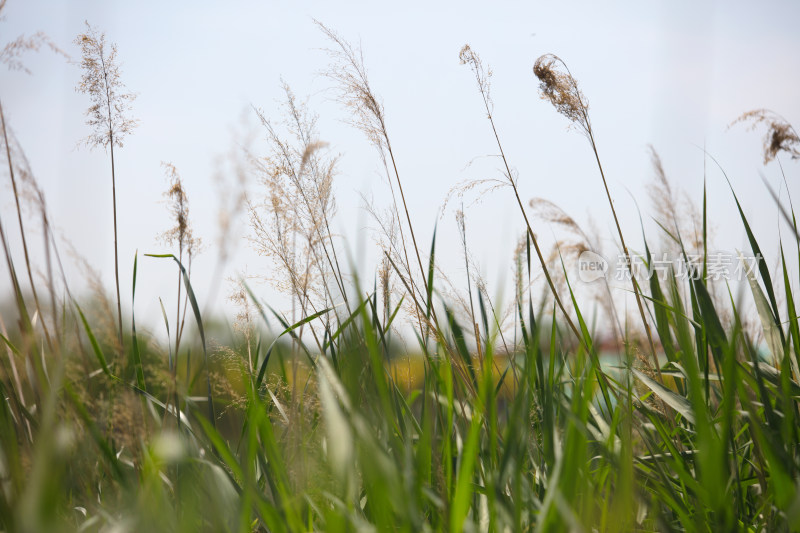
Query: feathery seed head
(291, 221)
(181, 234)
(780, 137)
(349, 74)
(12, 51)
(110, 101)
(467, 56)
(561, 90)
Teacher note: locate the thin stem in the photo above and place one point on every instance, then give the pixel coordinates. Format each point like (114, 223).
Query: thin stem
(475, 329)
(428, 290)
(113, 194)
(404, 255)
(624, 249)
(178, 307)
(527, 222)
(49, 262)
(405, 208)
(116, 247)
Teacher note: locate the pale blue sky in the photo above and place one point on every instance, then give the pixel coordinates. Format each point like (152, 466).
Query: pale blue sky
(671, 74)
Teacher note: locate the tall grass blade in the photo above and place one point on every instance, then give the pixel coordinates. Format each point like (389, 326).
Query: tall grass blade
(196, 310)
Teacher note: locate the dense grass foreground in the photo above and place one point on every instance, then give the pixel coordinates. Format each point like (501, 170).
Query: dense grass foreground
(694, 428)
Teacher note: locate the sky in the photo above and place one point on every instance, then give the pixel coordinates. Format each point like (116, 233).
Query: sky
(673, 75)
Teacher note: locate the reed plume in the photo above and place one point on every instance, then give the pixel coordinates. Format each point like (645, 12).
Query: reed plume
(11, 54)
(780, 137)
(579, 242)
(181, 235)
(291, 222)
(108, 115)
(674, 212)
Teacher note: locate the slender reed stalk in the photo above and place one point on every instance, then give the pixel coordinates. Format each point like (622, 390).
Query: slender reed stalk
(462, 231)
(353, 84)
(182, 236)
(107, 116)
(469, 57)
(561, 89)
(17, 194)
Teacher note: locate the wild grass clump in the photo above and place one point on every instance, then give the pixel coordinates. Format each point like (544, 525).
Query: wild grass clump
(485, 418)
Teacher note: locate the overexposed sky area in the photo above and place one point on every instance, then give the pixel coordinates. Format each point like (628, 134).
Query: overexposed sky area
(670, 74)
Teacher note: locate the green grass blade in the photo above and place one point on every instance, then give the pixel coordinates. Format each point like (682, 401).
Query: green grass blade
(98, 352)
(289, 329)
(137, 358)
(198, 319)
(679, 403)
(431, 269)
